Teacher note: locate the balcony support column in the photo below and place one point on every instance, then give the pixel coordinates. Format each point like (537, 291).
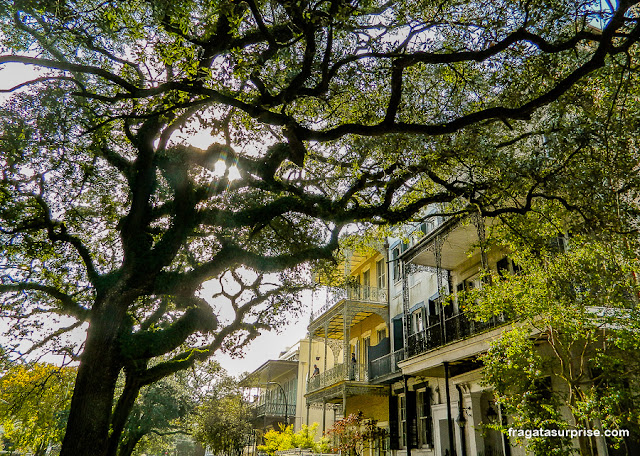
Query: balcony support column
(476, 439)
(437, 246)
(344, 401)
(405, 270)
(309, 357)
(347, 337)
(324, 415)
(407, 431)
(326, 330)
(449, 418)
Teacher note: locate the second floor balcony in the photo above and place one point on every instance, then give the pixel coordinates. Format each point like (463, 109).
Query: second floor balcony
(386, 367)
(356, 293)
(339, 373)
(274, 409)
(455, 328)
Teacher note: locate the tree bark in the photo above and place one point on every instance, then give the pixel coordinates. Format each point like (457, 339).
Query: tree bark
(100, 363)
(121, 414)
(127, 447)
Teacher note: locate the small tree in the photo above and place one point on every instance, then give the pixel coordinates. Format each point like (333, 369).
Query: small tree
(286, 439)
(34, 403)
(160, 411)
(355, 433)
(223, 424)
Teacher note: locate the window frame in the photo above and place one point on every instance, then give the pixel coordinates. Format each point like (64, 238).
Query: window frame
(395, 254)
(424, 417)
(381, 274)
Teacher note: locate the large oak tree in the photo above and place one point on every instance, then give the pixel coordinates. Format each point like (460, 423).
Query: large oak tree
(324, 113)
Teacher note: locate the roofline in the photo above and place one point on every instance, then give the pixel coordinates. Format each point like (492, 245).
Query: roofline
(449, 224)
(265, 365)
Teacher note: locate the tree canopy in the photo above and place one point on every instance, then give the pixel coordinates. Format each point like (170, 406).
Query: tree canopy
(34, 404)
(317, 114)
(223, 424)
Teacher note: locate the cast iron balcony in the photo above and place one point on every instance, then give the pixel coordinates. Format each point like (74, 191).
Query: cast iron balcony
(456, 327)
(338, 374)
(359, 293)
(386, 365)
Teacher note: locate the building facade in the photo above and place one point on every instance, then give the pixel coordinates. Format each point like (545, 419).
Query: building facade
(441, 404)
(396, 344)
(276, 390)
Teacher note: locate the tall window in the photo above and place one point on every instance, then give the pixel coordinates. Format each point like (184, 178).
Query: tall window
(382, 445)
(366, 282)
(425, 228)
(382, 333)
(380, 274)
(366, 278)
(395, 253)
(425, 432)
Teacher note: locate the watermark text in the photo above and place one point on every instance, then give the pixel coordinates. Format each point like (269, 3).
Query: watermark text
(572, 433)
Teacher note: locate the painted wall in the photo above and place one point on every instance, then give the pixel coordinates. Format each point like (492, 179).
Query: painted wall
(376, 407)
(305, 369)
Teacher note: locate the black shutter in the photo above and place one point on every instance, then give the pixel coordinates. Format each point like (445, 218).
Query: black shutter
(427, 413)
(398, 337)
(394, 436)
(412, 420)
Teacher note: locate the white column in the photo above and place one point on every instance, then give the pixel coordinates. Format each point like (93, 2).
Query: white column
(475, 440)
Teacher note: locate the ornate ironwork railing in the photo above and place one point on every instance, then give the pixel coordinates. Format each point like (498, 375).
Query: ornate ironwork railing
(358, 293)
(275, 409)
(337, 374)
(456, 327)
(385, 365)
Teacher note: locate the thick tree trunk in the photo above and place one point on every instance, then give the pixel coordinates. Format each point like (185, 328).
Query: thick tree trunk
(90, 415)
(126, 449)
(121, 414)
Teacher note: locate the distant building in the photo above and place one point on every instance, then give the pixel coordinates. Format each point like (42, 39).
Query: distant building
(275, 390)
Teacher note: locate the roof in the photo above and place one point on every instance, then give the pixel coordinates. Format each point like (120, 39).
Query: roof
(270, 370)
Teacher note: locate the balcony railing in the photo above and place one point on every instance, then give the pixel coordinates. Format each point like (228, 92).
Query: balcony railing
(455, 328)
(359, 293)
(385, 365)
(337, 374)
(275, 409)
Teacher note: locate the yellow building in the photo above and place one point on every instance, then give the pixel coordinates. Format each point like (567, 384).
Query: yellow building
(351, 324)
(275, 391)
